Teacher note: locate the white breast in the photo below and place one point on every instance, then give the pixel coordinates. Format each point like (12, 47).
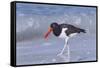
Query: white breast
(63, 34)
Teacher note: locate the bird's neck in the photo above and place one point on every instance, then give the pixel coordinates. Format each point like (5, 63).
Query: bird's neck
(57, 31)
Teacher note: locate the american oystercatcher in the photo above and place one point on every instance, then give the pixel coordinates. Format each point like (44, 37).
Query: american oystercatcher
(64, 31)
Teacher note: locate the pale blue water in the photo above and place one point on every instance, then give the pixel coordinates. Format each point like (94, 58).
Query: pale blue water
(82, 48)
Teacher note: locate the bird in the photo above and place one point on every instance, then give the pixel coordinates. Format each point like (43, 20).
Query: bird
(64, 31)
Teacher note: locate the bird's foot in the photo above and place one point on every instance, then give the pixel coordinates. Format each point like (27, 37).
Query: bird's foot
(59, 54)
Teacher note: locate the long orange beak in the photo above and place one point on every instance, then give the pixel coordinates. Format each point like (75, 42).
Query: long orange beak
(48, 32)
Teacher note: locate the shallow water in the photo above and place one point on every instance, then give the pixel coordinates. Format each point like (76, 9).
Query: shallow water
(40, 51)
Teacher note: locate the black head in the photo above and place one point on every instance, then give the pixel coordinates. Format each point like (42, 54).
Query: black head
(54, 25)
(55, 28)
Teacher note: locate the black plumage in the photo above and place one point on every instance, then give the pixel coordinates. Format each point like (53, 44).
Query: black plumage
(57, 28)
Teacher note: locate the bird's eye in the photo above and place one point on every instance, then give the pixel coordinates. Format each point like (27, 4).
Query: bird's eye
(53, 25)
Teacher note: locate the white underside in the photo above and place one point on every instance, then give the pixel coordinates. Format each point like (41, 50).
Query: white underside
(73, 34)
(63, 34)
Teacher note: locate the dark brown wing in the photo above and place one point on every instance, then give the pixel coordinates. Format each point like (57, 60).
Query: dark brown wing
(71, 29)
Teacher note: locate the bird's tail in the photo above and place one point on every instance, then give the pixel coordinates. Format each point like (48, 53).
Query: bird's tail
(82, 30)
